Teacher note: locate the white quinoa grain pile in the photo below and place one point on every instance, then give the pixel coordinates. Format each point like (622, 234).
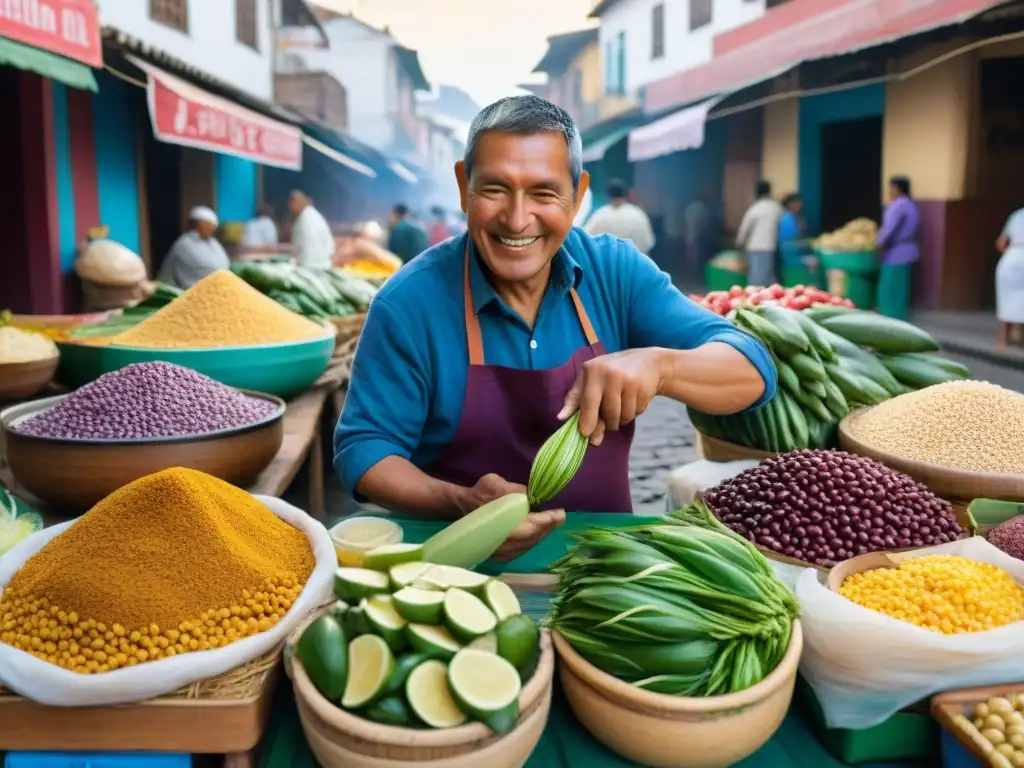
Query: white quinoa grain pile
(970, 425)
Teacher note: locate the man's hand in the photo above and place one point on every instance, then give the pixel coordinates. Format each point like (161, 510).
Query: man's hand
(487, 488)
(612, 390)
(530, 533)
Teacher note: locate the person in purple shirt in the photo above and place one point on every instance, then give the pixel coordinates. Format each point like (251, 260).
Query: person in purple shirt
(897, 249)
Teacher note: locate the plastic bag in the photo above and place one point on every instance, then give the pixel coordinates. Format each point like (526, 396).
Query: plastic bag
(865, 666)
(688, 480)
(49, 684)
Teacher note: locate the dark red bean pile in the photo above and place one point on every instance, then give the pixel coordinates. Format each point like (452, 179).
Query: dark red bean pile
(1009, 537)
(148, 400)
(823, 507)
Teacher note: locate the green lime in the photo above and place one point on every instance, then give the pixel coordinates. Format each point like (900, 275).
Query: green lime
(486, 687)
(383, 558)
(518, 640)
(488, 642)
(386, 621)
(403, 668)
(370, 665)
(324, 655)
(428, 694)
(403, 574)
(426, 638)
(390, 711)
(466, 615)
(351, 584)
(422, 606)
(501, 599)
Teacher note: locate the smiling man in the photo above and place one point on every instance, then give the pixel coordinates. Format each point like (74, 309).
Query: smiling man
(475, 351)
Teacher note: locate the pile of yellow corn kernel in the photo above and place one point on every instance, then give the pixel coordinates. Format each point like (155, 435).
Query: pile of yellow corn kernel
(941, 593)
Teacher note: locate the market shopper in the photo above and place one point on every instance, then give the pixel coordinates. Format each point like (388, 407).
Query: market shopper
(312, 240)
(1010, 279)
(261, 230)
(897, 249)
(196, 253)
(758, 236)
(406, 240)
(475, 352)
(622, 219)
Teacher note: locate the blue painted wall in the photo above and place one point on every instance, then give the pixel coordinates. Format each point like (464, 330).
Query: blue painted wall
(65, 180)
(816, 111)
(116, 110)
(236, 188)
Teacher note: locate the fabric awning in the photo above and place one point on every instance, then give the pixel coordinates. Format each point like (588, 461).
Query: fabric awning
(679, 131)
(338, 156)
(403, 172)
(595, 150)
(32, 59)
(184, 114)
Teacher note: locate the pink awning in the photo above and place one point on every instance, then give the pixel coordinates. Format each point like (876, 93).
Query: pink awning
(673, 133)
(805, 30)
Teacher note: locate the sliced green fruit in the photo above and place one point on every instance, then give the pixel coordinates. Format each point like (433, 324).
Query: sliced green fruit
(426, 638)
(486, 687)
(323, 651)
(386, 621)
(518, 640)
(383, 558)
(403, 574)
(430, 698)
(351, 584)
(390, 711)
(403, 668)
(370, 664)
(422, 606)
(466, 615)
(14, 532)
(442, 577)
(354, 621)
(501, 600)
(472, 539)
(488, 643)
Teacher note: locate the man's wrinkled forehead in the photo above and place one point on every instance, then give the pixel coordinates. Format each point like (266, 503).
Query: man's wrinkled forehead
(531, 160)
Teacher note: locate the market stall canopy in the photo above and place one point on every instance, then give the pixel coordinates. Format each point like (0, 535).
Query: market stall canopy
(679, 131)
(68, 28)
(338, 156)
(71, 73)
(599, 139)
(186, 115)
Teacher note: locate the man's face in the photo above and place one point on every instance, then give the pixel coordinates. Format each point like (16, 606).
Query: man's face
(296, 203)
(519, 203)
(205, 229)
(796, 206)
(394, 218)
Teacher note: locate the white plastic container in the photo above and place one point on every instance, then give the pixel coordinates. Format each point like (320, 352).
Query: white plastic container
(356, 536)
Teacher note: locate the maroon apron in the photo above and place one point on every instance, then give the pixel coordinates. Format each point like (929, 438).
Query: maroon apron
(508, 413)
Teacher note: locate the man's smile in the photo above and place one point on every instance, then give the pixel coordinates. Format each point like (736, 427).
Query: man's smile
(516, 242)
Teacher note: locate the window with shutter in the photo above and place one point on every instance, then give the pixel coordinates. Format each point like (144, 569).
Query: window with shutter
(700, 13)
(172, 13)
(246, 29)
(658, 31)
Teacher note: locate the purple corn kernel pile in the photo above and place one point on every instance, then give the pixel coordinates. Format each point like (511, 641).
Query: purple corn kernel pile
(823, 507)
(1009, 537)
(148, 400)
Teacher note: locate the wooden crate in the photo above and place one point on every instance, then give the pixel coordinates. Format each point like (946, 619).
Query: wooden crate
(949, 707)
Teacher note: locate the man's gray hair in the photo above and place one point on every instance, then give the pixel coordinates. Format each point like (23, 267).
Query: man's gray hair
(526, 115)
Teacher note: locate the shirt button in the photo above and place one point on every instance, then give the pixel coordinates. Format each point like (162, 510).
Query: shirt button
(533, 343)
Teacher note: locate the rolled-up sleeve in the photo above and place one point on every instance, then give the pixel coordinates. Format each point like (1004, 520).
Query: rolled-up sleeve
(661, 316)
(388, 397)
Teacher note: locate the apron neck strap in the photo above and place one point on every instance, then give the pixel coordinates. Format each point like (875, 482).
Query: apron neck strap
(474, 337)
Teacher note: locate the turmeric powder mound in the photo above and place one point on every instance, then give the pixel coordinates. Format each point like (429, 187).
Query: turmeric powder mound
(221, 310)
(174, 562)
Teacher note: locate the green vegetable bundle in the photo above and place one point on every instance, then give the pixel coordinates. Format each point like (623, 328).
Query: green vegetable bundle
(130, 316)
(685, 608)
(830, 360)
(313, 294)
(557, 462)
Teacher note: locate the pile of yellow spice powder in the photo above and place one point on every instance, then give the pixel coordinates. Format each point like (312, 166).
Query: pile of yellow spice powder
(221, 310)
(175, 562)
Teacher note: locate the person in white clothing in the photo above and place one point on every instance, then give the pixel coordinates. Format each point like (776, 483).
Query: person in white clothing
(1010, 279)
(312, 240)
(261, 230)
(196, 254)
(759, 236)
(622, 219)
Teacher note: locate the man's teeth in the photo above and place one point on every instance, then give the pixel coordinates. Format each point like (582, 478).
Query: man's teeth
(516, 242)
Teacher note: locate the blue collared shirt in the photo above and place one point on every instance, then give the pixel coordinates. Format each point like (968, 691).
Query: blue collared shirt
(409, 375)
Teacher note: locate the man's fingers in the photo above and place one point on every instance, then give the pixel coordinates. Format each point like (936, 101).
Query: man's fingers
(629, 408)
(597, 436)
(590, 404)
(611, 404)
(572, 400)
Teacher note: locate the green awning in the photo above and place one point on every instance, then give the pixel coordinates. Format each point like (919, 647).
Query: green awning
(47, 64)
(595, 150)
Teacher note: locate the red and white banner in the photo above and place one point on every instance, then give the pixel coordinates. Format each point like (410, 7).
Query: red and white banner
(183, 114)
(70, 28)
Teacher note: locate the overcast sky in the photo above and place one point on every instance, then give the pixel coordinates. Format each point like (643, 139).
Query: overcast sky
(483, 46)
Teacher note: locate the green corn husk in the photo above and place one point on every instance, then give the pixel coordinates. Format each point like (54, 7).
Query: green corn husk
(557, 462)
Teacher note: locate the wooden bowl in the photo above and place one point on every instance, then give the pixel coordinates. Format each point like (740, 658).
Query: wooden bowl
(713, 449)
(678, 731)
(76, 474)
(340, 739)
(21, 380)
(953, 484)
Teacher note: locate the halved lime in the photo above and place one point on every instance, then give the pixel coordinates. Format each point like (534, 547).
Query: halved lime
(426, 638)
(501, 599)
(467, 616)
(488, 643)
(370, 664)
(518, 640)
(422, 606)
(386, 621)
(404, 666)
(383, 558)
(487, 687)
(351, 584)
(430, 698)
(403, 574)
(461, 578)
(354, 620)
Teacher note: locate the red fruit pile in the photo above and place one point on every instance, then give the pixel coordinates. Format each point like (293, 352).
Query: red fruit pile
(798, 298)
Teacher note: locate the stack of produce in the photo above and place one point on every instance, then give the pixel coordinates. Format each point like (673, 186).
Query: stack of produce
(963, 425)
(99, 333)
(822, 507)
(221, 310)
(996, 725)
(175, 562)
(18, 346)
(17, 521)
(799, 297)
(1009, 537)
(941, 593)
(854, 237)
(313, 294)
(373, 262)
(684, 608)
(107, 262)
(148, 400)
(829, 360)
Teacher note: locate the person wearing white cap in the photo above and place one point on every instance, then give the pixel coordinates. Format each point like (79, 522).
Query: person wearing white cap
(196, 254)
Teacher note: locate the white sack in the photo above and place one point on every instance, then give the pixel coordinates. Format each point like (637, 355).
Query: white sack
(49, 684)
(688, 480)
(865, 666)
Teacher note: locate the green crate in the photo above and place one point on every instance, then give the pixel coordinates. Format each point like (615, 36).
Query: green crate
(799, 274)
(719, 279)
(908, 735)
(853, 276)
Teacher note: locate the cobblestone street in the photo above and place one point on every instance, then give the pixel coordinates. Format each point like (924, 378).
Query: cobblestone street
(664, 441)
